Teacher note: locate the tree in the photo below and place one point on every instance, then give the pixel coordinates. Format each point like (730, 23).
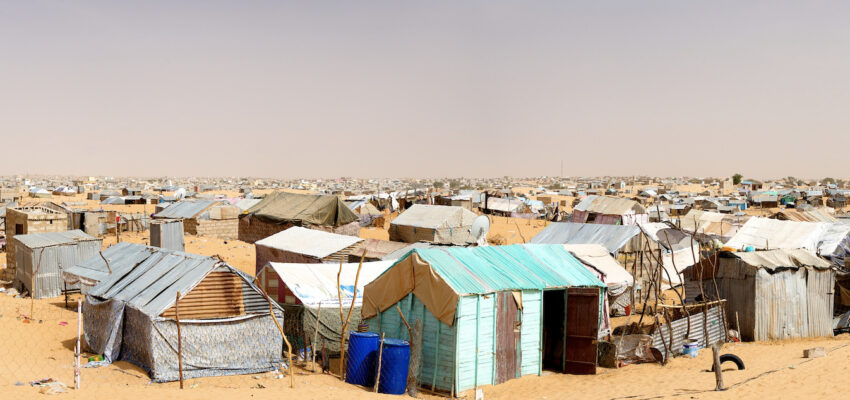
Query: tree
(438, 184)
(454, 183)
(736, 179)
(555, 186)
(826, 181)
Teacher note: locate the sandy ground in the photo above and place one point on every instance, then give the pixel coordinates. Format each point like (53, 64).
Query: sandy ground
(43, 348)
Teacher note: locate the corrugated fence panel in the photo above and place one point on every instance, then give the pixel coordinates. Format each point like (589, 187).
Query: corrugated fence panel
(820, 300)
(465, 325)
(486, 343)
(435, 332)
(701, 323)
(781, 305)
(530, 333)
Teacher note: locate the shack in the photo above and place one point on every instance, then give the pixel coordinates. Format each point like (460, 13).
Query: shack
(609, 210)
(225, 321)
(616, 278)
(204, 217)
(23, 220)
(41, 257)
(775, 294)
(306, 246)
(279, 211)
(490, 314)
(433, 224)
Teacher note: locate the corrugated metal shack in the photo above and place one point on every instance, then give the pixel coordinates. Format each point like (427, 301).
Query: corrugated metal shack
(609, 210)
(167, 234)
(226, 326)
(490, 314)
(776, 294)
(302, 245)
(45, 255)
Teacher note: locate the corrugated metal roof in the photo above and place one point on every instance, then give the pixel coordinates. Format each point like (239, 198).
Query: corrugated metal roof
(609, 205)
(245, 204)
(612, 237)
(496, 268)
(152, 285)
(312, 242)
(38, 240)
(185, 209)
(433, 217)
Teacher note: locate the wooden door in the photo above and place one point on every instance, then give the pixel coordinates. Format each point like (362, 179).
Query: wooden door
(507, 337)
(582, 330)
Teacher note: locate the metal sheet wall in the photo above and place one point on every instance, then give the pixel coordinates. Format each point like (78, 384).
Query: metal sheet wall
(167, 234)
(820, 286)
(702, 325)
(781, 305)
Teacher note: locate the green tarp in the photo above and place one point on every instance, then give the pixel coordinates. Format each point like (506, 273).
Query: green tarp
(299, 209)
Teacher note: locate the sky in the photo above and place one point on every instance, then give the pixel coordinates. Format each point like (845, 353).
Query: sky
(425, 88)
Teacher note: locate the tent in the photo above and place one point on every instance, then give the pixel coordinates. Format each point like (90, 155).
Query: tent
(618, 280)
(300, 288)
(279, 211)
(225, 321)
(434, 224)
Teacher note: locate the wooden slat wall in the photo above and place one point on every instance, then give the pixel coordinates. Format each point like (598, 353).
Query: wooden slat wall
(219, 295)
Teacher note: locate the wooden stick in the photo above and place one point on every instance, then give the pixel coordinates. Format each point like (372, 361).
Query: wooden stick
(350, 309)
(179, 340)
(288, 346)
(409, 331)
(316, 335)
(380, 355)
(107, 262)
(77, 349)
(718, 373)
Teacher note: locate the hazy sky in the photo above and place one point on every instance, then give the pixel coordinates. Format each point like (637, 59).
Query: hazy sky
(425, 88)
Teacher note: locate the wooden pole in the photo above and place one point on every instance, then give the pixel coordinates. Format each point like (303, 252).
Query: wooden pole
(179, 339)
(77, 349)
(380, 355)
(316, 335)
(106, 261)
(288, 345)
(409, 331)
(718, 373)
(350, 309)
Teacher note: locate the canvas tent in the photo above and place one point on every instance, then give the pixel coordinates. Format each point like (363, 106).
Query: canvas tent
(775, 294)
(434, 224)
(829, 240)
(300, 288)
(226, 326)
(302, 245)
(524, 307)
(279, 211)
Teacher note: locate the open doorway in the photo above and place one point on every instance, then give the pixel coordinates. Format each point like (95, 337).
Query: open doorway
(554, 325)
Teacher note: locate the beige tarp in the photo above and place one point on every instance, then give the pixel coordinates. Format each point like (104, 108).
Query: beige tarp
(415, 275)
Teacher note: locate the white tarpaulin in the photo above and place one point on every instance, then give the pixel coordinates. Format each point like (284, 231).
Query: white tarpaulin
(315, 283)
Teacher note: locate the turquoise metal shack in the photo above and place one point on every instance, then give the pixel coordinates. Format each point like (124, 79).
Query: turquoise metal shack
(490, 314)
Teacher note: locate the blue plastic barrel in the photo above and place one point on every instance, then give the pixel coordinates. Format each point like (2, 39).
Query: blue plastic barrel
(362, 358)
(395, 360)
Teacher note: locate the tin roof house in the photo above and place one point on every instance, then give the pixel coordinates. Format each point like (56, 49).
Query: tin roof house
(524, 308)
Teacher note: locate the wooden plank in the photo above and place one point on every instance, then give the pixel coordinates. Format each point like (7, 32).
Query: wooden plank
(582, 329)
